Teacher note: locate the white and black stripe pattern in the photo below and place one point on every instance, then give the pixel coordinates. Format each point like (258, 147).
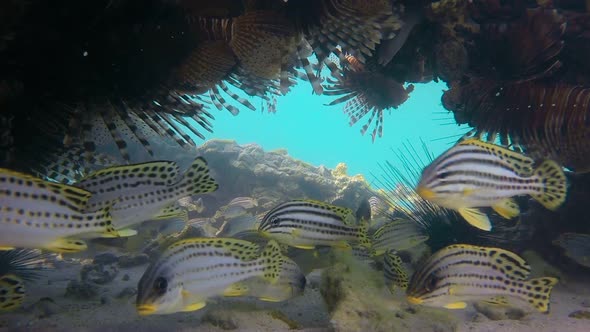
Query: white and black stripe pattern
(315, 223)
(490, 175)
(202, 268)
(460, 273)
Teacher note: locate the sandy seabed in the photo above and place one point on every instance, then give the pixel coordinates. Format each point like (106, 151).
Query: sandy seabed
(107, 312)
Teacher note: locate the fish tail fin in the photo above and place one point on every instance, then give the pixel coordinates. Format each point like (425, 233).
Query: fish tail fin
(272, 259)
(554, 182)
(363, 235)
(12, 289)
(540, 292)
(394, 271)
(197, 179)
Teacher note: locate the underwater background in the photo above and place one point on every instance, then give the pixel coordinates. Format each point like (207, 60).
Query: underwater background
(295, 165)
(318, 134)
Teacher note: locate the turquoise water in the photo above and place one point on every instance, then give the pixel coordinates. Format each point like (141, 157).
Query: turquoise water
(321, 135)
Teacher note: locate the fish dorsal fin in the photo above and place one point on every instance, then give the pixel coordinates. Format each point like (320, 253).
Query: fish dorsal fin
(476, 218)
(75, 198)
(520, 164)
(509, 263)
(240, 249)
(196, 179)
(163, 173)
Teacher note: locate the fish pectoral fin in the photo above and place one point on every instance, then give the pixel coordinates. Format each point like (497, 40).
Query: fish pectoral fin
(307, 247)
(127, 232)
(296, 232)
(6, 248)
(67, 245)
(507, 208)
(456, 305)
(194, 306)
(468, 192)
(476, 218)
(342, 245)
(270, 299)
(236, 289)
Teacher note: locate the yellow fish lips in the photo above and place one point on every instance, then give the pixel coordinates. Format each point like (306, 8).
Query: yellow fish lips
(146, 309)
(425, 192)
(414, 300)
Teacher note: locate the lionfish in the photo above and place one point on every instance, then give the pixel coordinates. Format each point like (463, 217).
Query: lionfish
(546, 119)
(353, 25)
(365, 90)
(443, 226)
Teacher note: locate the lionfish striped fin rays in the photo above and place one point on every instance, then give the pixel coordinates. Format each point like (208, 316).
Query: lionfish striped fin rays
(547, 120)
(355, 26)
(365, 91)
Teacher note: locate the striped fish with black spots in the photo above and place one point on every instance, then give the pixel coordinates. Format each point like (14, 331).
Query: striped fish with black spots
(458, 274)
(475, 174)
(191, 271)
(39, 214)
(145, 191)
(306, 224)
(398, 234)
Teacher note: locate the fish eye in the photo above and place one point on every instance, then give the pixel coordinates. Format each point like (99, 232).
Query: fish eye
(443, 175)
(430, 284)
(274, 221)
(160, 285)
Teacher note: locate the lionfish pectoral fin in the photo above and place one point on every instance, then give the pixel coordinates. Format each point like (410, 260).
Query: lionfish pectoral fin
(507, 208)
(456, 305)
(476, 218)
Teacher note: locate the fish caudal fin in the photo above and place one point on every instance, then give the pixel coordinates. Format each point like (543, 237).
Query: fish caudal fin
(540, 292)
(363, 235)
(476, 218)
(507, 208)
(67, 245)
(272, 259)
(394, 272)
(197, 180)
(12, 289)
(554, 189)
